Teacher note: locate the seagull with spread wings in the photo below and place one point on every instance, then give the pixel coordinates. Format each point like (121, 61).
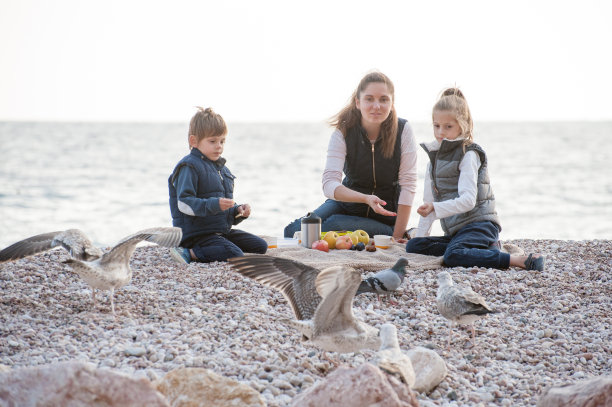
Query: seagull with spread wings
(104, 271)
(321, 300)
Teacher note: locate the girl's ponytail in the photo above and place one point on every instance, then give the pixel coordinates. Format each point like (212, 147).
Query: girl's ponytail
(452, 100)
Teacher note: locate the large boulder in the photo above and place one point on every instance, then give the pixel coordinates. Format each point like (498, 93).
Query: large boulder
(75, 384)
(429, 369)
(586, 393)
(193, 387)
(363, 386)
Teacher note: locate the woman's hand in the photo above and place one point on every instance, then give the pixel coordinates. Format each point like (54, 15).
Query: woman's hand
(425, 209)
(244, 210)
(377, 204)
(226, 203)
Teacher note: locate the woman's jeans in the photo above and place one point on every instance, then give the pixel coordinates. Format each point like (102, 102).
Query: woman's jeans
(337, 215)
(474, 245)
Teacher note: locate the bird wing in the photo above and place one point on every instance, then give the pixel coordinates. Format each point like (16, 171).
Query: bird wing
(73, 240)
(163, 236)
(389, 278)
(338, 286)
(295, 280)
(475, 302)
(456, 301)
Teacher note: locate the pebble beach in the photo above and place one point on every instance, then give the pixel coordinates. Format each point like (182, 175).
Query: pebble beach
(552, 328)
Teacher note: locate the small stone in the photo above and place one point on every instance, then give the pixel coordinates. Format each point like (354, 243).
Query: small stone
(282, 384)
(308, 379)
(108, 363)
(135, 351)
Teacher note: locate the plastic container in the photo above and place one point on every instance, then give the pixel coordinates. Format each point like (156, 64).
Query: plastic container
(282, 242)
(382, 241)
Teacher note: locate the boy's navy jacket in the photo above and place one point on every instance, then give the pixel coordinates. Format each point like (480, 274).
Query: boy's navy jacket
(213, 180)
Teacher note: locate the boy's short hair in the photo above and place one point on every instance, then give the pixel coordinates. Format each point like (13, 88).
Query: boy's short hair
(207, 123)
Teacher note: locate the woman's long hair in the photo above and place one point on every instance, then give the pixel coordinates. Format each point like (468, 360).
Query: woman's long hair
(350, 117)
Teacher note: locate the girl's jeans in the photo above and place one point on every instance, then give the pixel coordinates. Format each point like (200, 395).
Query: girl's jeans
(474, 245)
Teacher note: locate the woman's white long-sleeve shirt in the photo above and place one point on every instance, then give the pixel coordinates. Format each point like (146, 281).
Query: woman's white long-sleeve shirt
(467, 188)
(407, 177)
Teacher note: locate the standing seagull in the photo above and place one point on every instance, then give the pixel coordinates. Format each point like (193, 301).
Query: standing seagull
(104, 271)
(391, 358)
(322, 301)
(385, 281)
(460, 304)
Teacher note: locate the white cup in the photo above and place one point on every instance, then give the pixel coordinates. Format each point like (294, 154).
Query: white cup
(382, 241)
(298, 235)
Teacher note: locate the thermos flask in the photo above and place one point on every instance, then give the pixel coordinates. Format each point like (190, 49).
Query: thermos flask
(311, 229)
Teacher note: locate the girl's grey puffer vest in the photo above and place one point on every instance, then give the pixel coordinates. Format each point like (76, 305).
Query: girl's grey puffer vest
(445, 178)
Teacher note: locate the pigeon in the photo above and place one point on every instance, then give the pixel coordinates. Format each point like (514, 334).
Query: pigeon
(460, 304)
(104, 271)
(391, 359)
(321, 300)
(385, 281)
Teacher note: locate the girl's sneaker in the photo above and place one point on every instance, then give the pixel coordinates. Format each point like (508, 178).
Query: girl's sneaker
(181, 255)
(535, 263)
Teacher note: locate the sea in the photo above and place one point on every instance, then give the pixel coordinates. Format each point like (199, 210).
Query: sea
(551, 180)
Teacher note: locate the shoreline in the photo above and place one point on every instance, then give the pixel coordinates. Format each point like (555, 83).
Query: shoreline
(553, 327)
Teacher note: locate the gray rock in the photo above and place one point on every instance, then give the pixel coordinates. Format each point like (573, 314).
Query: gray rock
(75, 384)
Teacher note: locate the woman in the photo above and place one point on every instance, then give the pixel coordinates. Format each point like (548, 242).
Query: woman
(376, 151)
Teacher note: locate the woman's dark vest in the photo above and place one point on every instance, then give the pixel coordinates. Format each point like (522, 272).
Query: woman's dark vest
(367, 171)
(445, 179)
(214, 181)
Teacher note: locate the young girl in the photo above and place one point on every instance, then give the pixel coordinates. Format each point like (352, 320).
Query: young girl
(458, 192)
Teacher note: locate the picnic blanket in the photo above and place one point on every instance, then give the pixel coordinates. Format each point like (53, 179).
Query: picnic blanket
(367, 261)
(364, 260)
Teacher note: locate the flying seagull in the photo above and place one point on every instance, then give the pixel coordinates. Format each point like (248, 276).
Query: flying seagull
(104, 271)
(390, 357)
(460, 304)
(321, 300)
(385, 281)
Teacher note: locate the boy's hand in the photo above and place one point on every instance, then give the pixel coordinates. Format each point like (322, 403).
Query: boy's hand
(226, 203)
(425, 209)
(244, 210)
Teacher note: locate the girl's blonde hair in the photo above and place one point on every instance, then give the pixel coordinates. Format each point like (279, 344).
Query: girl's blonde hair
(350, 117)
(206, 123)
(452, 100)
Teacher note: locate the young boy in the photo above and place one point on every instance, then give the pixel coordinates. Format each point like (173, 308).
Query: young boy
(201, 198)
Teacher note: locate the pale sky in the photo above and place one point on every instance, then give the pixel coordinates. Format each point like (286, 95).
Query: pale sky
(80, 60)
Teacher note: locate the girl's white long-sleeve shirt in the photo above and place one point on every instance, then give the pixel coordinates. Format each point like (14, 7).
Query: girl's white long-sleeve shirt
(467, 188)
(407, 176)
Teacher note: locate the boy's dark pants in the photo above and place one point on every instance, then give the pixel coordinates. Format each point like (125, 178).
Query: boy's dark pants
(474, 245)
(216, 247)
